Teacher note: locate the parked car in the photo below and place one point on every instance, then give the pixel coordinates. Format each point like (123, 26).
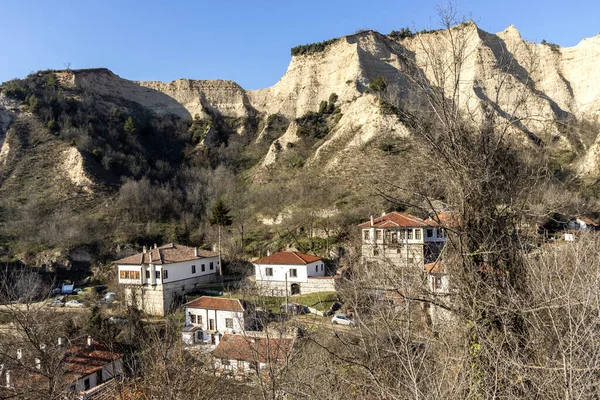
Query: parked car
(342, 319)
(56, 303)
(74, 303)
(118, 320)
(77, 290)
(109, 297)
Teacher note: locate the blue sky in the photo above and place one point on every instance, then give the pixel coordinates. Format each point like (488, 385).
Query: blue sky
(246, 41)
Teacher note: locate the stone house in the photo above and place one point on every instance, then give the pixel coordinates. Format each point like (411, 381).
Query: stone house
(156, 280)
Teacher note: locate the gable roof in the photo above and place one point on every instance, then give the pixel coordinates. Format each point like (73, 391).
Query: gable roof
(81, 360)
(435, 268)
(216, 303)
(288, 258)
(587, 221)
(167, 254)
(397, 219)
(253, 349)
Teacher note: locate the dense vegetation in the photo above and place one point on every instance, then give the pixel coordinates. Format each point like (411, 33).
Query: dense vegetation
(312, 48)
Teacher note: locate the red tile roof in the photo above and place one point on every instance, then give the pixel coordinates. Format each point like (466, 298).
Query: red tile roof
(81, 360)
(288, 258)
(588, 221)
(436, 267)
(396, 219)
(167, 254)
(216, 303)
(445, 218)
(253, 349)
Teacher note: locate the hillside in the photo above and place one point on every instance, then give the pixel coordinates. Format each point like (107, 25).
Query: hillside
(144, 161)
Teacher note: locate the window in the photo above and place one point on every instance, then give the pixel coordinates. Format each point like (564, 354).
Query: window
(157, 274)
(394, 237)
(366, 235)
(203, 267)
(294, 272)
(268, 271)
(229, 323)
(86, 384)
(240, 365)
(378, 235)
(410, 234)
(322, 267)
(224, 361)
(165, 274)
(316, 268)
(137, 275)
(436, 282)
(122, 275)
(429, 232)
(147, 274)
(130, 275)
(375, 252)
(418, 234)
(193, 269)
(211, 265)
(440, 233)
(199, 319)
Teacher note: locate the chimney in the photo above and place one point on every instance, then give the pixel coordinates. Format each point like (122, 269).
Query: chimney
(150, 255)
(9, 380)
(144, 250)
(372, 221)
(38, 363)
(19, 354)
(268, 253)
(42, 346)
(155, 246)
(90, 341)
(383, 213)
(60, 341)
(195, 252)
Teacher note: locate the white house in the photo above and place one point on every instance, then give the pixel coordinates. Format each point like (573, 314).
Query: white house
(401, 239)
(88, 368)
(291, 273)
(207, 318)
(437, 279)
(155, 280)
(245, 355)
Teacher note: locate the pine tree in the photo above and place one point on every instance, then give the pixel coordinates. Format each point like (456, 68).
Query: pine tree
(129, 127)
(220, 217)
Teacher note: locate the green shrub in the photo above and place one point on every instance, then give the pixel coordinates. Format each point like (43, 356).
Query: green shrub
(333, 97)
(312, 48)
(378, 84)
(323, 107)
(401, 34)
(14, 90)
(553, 46)
(52, 126)
(97, 154)
(129, 127)
(337, 117)
(51, 80)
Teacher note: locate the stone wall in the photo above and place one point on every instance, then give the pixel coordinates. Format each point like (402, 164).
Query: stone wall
(161, 299)
(314, 285)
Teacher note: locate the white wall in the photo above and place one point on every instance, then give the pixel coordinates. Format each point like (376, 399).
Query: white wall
(176, 271)
(219, 316)
(279, 271)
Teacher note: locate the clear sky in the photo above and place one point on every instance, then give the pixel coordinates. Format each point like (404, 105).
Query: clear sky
(246, 41)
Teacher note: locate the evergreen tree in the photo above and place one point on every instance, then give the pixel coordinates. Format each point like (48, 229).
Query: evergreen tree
(220, 217)
(129, 127)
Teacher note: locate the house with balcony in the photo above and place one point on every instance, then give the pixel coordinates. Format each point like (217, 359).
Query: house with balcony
(401, 240)
(156, 280)
(291, 273)
(208, 318)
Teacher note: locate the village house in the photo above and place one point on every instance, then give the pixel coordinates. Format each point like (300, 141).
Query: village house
(437, 279)
(244, 355)
(401, 240)
(582, 224)
(89, 369)
(207, 318)
(156, 280)
(291, 273)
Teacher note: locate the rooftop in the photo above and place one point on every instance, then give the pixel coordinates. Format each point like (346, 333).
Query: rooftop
(253, 349)
(288, 258)
(397, 219)
(216, 303)
(167, 254)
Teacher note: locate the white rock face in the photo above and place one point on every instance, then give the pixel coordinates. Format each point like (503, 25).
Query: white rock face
(531, 84)
(72, 168)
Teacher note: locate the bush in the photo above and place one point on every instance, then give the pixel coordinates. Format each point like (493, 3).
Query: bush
(312, 48)
(553, 46)
(378, 84)
(401, 34)
(14, 90)
(323, 107)
(129, 127)
(333, 97)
